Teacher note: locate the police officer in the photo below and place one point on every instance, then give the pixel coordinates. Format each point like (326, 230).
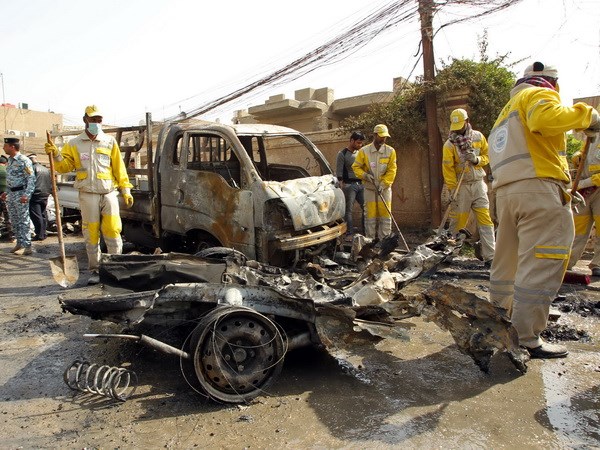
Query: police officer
(5, 226)
(20, 181)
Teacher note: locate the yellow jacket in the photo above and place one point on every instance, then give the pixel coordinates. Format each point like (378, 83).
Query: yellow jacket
(379, 163)
(591, 168)
(98, 164)
(528, 139)
(452, 166)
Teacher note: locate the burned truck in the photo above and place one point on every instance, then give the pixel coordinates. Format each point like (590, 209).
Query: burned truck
(264, 190)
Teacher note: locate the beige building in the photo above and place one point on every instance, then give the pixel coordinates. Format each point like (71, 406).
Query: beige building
(28, 125)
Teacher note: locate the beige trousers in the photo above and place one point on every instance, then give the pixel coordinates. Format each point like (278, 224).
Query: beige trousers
(535, 232)
(100, 213)
(378, 222)
(473, 196)
(584, 218)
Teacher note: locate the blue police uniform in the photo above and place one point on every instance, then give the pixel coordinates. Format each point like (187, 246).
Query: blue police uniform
(20, 181)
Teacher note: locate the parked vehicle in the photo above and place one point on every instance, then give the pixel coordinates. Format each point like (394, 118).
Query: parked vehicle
(264, 190)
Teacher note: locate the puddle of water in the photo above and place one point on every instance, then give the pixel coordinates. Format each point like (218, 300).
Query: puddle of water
(572, 398)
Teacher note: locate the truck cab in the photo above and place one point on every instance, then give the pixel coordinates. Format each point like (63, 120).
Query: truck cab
(264, 190)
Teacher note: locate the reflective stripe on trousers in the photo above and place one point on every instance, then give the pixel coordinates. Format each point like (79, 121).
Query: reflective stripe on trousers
(100, 214)
(473, 197)
(585, 217)
(535, 232)
(378, 222)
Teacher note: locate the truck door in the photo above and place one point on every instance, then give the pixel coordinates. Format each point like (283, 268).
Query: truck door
(212, 195)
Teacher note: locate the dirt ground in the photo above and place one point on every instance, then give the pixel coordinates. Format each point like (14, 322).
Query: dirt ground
(421, 393)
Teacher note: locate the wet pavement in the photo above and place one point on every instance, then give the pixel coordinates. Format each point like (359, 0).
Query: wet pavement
(421, 393)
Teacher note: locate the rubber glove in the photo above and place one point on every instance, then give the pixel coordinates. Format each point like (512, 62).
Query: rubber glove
(472, 158)
(576, 198)
(127, 198)
(51, 149)
(369, 178)
(594, 127)
(576, 159)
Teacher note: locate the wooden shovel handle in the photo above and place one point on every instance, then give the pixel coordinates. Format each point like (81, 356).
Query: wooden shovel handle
(584, 153)
(56, 204)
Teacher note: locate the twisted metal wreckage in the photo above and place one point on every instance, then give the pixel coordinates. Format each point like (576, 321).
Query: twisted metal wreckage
(247, 315)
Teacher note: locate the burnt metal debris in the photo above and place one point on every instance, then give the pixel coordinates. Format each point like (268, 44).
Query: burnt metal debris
(246, 315)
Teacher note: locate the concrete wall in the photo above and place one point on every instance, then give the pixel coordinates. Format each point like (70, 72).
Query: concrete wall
(410, 191)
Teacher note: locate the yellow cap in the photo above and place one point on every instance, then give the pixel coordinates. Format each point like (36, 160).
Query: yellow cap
(381, 130)
(92, 111)
(458, 117)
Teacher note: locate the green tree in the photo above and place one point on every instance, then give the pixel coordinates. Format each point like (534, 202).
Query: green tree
(573, 146)
(487, 85)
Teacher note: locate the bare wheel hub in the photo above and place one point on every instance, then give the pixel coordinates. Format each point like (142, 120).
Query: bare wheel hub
(238, 352)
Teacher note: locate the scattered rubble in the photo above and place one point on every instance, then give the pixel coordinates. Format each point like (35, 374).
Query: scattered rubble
(577, 303)
(261, 312)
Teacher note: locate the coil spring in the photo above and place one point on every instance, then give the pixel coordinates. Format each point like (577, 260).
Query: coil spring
(113, 382)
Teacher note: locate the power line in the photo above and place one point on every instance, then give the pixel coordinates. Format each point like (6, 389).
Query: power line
(332, 51)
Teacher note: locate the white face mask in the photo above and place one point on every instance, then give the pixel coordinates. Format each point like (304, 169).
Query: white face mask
(94, 128)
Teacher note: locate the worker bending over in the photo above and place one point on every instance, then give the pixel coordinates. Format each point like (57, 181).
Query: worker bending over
(464, 155)
(589, 214)
(533, 203)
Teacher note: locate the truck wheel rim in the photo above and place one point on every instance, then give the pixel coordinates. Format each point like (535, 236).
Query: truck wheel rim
(238, 353)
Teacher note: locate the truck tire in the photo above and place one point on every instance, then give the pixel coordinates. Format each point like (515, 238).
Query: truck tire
(237, 352)
(221, 253)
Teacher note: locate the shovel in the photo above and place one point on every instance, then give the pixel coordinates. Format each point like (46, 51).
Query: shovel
(65, 269)
(452, 198)
(393, 220)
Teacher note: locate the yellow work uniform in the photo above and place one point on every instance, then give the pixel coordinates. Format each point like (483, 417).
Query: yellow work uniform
(535, 223)
(589, 214)
(99, 171)
(472, 192)
(381, 163)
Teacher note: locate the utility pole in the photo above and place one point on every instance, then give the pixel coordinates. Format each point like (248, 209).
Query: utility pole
(426, 8)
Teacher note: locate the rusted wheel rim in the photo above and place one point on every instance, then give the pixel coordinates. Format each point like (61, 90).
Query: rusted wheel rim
(237, 353)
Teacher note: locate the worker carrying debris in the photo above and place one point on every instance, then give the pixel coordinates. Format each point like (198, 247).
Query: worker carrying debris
(533, 202)
(100, 171)
(588, 214)
(376, 164)
(464, 155)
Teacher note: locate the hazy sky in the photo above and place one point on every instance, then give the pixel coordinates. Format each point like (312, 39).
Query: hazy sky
(160, 56)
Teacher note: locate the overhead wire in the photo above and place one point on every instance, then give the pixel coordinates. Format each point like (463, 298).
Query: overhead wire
(337, 49)
(333, 50)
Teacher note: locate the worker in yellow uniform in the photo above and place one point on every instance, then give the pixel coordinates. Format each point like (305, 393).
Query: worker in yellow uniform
(464, 155)
(375, 164)
(99, 171)
(533, 202)
(589, 214)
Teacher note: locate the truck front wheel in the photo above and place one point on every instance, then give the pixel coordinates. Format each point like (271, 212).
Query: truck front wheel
(237, 352)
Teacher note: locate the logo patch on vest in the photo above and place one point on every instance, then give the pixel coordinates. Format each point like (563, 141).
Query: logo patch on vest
(499, 139)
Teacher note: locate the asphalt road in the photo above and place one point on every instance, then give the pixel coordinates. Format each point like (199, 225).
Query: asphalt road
(421, 393)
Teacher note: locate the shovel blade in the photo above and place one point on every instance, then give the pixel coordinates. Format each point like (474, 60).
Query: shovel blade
(65, 271)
